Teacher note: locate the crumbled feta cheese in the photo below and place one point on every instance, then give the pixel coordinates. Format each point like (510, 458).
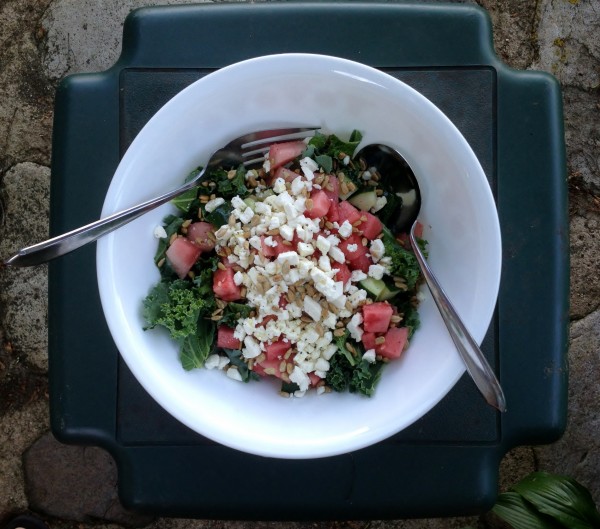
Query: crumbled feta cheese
(238, 203)
(251, 347)
(325, 263)
(286, 232)
(376, 271)
(380, 203)
(352, 248)
(322, 365)
(234, 374)
(305, 249)
(323, 244)
(337, 255)
(357, 275)
(377, 250)
(292, 258)
(212, 362)
(354, 326)
(213, 204)
(160, 232)
(279, 185)
(238, 278)
(369, 356)
(301, 378)
(312, 308)
(246, 215)
(345, 230)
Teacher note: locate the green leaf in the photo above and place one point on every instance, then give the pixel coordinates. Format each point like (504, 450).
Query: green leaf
(325, 161)
(182, 202)
(404, 263)
(560, 497)
(172, 224)
(219, 216)
(513, 509)
(236, 359)
(196, 347)
(340, 341)
(233, 312)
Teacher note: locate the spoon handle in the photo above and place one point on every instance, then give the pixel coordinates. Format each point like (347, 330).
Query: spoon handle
(475, 362)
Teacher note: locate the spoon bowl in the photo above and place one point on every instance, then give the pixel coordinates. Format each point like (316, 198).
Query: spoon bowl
(397, 173)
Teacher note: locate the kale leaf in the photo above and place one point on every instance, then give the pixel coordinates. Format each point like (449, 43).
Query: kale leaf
(404, 263)
(234, 312)
(230, 187)
(235, 357)
(197, 346)
(172, 224)
(177, 306)
(359, 378)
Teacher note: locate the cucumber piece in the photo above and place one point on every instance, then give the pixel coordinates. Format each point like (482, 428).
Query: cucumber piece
(251, 203)
(364, 201)
(374, 287)
(388, 293)
(378, 289)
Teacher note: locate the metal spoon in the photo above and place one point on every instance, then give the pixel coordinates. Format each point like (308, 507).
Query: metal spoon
(394, 168)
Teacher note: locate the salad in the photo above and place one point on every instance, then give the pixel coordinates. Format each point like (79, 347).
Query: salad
(289, 271)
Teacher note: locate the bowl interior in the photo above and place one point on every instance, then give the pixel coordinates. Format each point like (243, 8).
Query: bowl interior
(458, 212)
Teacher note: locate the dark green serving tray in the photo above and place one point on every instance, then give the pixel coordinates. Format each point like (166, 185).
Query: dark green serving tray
(446, 463)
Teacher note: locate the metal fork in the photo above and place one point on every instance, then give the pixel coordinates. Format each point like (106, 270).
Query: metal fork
(248, 149)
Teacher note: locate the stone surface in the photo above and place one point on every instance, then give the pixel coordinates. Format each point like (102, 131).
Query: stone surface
(577, 454)
(75, 483)
(43, 40)
(25, 192)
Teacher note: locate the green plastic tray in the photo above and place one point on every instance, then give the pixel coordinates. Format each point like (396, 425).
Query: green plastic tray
(447, 463)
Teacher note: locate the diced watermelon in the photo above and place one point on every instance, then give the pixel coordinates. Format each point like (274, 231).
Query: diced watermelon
(287, 174)
(362, 263)
(333, 215)
(314, 379)
(371, 227)
(274, 251)
(282, 153)
(276, 350)
(376, 316)
(198, 233)
(320, 205)
(368, 340)
(348, 212)
(223, 285)
(395, 342)
(182, 254)
(226, 339)
(334, 192)
(343, 272)
(268, 368)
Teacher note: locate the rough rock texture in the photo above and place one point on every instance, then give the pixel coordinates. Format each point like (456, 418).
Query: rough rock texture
(43, 40)
(74, 482)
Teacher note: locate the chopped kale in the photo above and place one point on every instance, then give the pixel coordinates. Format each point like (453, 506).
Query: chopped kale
(236, 359)
(230, 187)
(333, 146)
(359, 378)
(177, 306)
(404, 263)
(219, 215)
(172, 224)
(197, 346)
(391, 208)
(233, 312)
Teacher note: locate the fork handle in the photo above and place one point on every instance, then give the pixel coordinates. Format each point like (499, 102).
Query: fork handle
(63, 244)
(472, 356)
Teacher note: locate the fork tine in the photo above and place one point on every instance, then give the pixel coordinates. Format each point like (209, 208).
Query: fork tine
(281, 135)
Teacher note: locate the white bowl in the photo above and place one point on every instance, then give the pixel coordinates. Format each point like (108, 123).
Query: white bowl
(458, 212)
